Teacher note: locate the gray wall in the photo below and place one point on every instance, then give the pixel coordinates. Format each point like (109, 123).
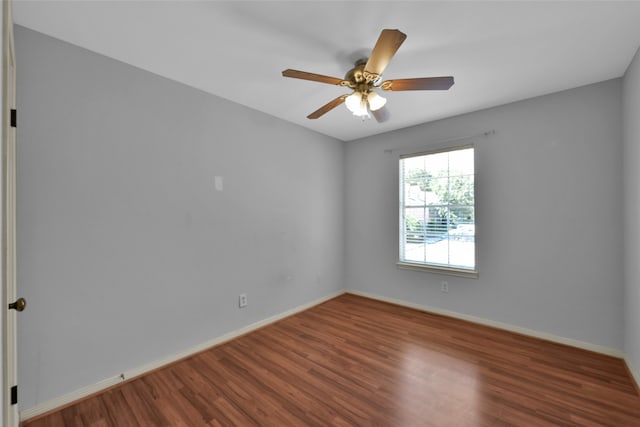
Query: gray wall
(631, 99)
(549, 217)
(127, 253)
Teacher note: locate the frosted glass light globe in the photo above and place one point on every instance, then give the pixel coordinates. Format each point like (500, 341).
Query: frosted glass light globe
(376, 101)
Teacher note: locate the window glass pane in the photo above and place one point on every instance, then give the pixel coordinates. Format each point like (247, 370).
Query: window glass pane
(461, 161)
(462, 215)
(438, 209)
(435, 162)
(438, 190)
(462, 253)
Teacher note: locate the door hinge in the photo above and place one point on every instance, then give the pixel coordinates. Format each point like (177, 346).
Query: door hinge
(14, 395)
(14, 118)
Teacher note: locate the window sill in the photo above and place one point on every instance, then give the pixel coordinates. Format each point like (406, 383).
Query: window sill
(451, 271)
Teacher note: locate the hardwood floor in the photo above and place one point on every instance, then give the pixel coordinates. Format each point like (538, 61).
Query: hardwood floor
(353, 361)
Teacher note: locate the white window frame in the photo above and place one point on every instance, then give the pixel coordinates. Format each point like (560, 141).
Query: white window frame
(431, 267)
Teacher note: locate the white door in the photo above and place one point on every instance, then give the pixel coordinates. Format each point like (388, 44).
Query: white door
(11, 305)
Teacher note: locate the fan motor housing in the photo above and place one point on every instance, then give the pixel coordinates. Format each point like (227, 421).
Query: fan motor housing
(356, 74)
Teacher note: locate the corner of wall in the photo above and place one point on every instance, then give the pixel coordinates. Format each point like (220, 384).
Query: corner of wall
(631, 191)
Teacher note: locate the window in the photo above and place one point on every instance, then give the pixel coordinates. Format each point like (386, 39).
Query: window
(437, 211)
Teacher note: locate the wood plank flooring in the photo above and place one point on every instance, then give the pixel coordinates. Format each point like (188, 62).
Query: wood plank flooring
(353, 361)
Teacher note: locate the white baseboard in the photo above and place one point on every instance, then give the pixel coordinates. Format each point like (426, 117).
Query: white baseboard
(223, 338)
(61, 401)
(524, 331)
(634, 372)
(101, 385)
(135, 372)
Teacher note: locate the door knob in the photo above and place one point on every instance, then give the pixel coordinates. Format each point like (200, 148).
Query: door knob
(19, 305)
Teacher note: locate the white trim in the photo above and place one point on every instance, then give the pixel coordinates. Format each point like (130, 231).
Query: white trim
(634, 372)
(505, 326)
(101, 385)
(223, 338)
(8, 413)
(141, 370)
(432, 268)
(68, 398)
(439, 143)
(439, 150)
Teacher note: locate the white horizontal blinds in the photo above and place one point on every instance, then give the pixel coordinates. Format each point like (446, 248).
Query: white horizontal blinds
(437, 208)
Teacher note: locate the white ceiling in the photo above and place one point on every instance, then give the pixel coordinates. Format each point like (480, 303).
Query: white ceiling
(498, 52)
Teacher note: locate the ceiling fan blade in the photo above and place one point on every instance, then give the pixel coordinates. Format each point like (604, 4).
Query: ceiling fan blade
(327, 107)
(313, 77)
(387, 45)
(381, 115)
(425, 83)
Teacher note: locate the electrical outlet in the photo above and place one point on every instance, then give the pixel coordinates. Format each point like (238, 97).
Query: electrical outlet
(444, 287)
(242, 300)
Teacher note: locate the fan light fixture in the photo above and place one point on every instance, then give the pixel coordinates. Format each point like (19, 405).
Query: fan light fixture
(366, 76)
(359, 103)
(376, 101)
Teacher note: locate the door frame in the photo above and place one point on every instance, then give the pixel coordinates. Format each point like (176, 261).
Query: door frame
(11, 415)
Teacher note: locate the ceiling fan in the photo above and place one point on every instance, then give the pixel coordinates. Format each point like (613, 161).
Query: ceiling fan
(365, 77)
